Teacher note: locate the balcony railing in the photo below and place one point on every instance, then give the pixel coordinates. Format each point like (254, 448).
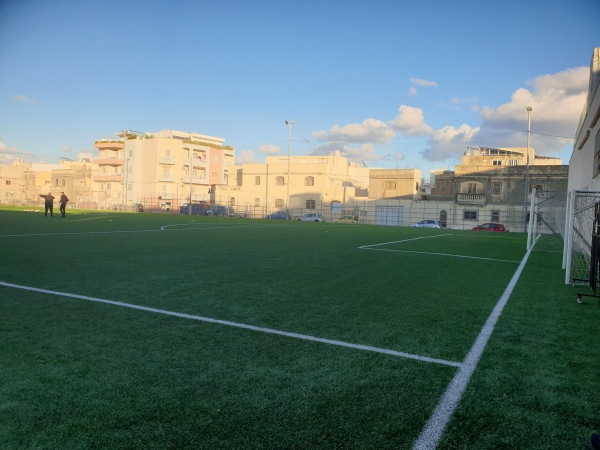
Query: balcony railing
(473, 199)
(166, 160)
(109, 161)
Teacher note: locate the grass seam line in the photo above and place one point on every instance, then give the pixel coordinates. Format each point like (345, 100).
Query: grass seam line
(436, 425)
(241, 325)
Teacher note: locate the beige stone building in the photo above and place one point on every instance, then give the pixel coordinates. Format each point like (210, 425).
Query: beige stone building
(300, 184)
(490, 186)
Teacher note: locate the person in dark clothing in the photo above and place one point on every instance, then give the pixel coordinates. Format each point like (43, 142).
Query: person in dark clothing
(48, 204)
(63, 203)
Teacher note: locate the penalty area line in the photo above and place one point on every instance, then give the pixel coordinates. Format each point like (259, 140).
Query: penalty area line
(241, 325)
(435, 427)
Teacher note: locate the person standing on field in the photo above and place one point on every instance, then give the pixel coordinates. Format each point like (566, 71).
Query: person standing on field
(48, 204)
(63, 203)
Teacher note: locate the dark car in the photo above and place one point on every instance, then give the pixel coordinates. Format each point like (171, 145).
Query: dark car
(219, 211)
(489, 227)
(279, 215)
(197, 209)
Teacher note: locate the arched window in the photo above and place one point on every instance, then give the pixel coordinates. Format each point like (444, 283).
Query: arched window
(280, 181)
(309, 181)
(278, 203)
(310, 204)
(257, 202)
(231, 201)
(257, 181)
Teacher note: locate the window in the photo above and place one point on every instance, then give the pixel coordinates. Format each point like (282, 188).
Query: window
(63, 181)
(497, 188)
(167, 152)
(232, 201)
(257, 202)
(470, 215)
(310, 204)
(309, 181)
(278, 203)
(513, 162)
(389, 185)
(471, 188)
(496, 162)
(538, 187)
(7, 182)
(213, 174)
(257, 181)
(280, 181)
(495, 216)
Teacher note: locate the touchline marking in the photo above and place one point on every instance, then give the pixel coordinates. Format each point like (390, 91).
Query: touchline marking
(240, 325)
(433, 431)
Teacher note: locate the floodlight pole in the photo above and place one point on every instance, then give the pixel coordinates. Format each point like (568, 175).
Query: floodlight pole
(289, 124)
(529, 109)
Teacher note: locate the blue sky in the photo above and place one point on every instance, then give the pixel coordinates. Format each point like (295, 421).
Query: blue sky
(396, 84)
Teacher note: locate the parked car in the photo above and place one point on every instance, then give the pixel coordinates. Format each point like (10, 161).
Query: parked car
(139, 207)
(427, 224)
(489, 227)
(279, 215)
(218, 210)
(346, 219)
(311, 217)
(197, 209)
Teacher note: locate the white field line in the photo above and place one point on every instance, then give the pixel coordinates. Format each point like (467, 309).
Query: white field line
(433, 431)
(240, 325)
(163, 228)
(404, 240)
(369, 247)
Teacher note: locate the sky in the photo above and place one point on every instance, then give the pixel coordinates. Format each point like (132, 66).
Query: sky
(392, 84)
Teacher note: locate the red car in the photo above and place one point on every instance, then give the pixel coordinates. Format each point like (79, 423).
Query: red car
(489, 227)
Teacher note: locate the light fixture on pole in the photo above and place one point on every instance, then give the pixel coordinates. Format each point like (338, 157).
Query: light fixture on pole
(529, 109)
(289, 124)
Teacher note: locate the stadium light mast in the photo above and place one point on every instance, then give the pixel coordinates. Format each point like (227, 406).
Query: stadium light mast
(289, 125)
(529, 109)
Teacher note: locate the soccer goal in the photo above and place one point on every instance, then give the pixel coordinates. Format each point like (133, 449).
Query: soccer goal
(580, 256)
(546, 220)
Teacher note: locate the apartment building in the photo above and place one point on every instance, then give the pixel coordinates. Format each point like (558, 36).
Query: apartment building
(162, 169)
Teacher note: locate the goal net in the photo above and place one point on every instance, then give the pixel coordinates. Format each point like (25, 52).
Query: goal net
(579, 255)
(546, 221)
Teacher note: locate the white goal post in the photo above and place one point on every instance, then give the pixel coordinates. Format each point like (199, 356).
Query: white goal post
(577, 253)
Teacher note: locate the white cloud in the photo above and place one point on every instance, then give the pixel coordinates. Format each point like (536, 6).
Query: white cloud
(421, 82)
(245, 157)
(412, 91)
(364, 152)
(410, 121)
(557, 101)
(368, 131)
(23, 98)
(269, 149)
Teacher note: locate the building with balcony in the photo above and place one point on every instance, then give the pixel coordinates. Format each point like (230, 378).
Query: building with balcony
(489, 185)
(161, 169)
